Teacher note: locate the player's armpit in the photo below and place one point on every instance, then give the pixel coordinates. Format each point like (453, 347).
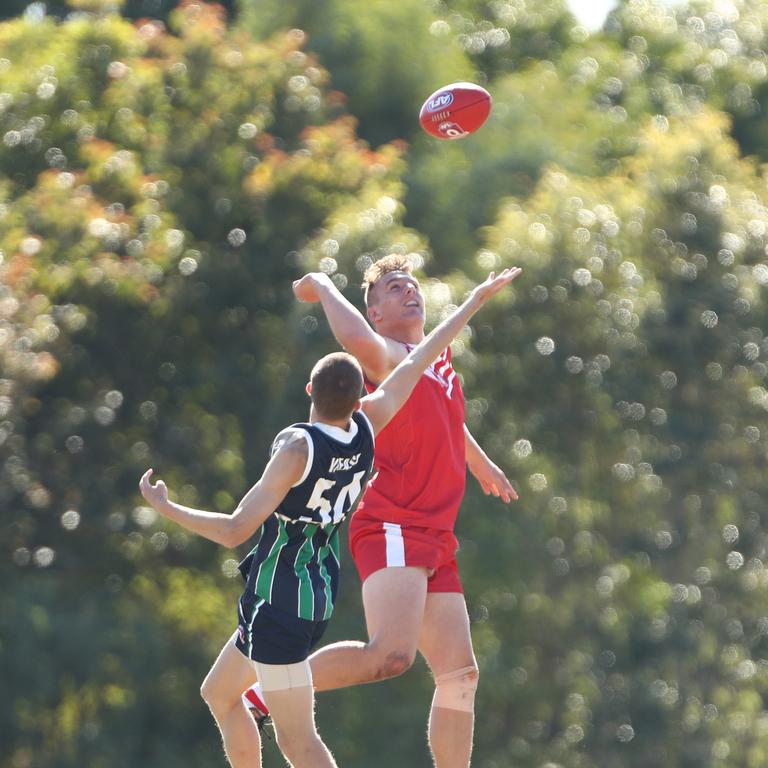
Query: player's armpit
(376, 355)
(379, 356)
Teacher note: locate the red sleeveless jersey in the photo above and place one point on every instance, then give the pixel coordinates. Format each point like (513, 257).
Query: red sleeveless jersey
(420, 455)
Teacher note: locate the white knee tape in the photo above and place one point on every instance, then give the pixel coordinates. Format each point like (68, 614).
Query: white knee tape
(280, 677)
(456, 690)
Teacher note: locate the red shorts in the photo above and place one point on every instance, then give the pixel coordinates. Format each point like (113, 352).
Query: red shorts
(376, 544)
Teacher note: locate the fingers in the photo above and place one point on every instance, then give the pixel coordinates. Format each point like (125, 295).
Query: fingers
(499, 487)
(508, 492)
(507, 275)
(145, 484)
(508, 495)
(305, 289)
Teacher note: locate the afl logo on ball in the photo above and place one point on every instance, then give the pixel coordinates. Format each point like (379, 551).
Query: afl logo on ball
(439, 102)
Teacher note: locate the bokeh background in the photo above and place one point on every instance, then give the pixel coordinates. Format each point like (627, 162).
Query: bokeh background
(166, 171)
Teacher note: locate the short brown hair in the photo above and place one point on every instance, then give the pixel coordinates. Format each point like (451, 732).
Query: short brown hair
(337, 384)
(393, 262)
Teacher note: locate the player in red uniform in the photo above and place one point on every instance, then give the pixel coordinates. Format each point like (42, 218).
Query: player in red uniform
(401, 535)
(408, 513)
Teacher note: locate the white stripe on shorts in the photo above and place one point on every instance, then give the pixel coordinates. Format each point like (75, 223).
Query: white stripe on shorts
(393, 535)
(250, 626)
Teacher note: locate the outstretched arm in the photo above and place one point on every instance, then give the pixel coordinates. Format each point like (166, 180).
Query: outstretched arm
(349, 327)
(492, 480)
(380, 406)
(284, 469)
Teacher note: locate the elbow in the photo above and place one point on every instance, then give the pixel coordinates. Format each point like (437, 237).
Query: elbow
(239, 539)
(235, 538)
(233, 535)
(225, 539)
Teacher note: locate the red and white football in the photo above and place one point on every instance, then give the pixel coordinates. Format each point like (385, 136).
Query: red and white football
(455, 110)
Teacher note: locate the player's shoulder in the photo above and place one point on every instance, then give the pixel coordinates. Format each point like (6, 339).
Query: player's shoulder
(292, 441)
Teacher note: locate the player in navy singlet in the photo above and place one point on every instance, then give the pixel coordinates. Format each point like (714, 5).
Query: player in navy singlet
(296, 561)
(315, 476)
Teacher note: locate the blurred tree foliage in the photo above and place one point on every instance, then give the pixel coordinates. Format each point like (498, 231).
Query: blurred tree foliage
(163, 183)
(157, 191)
(132, 9)
(639, 334)
(371, 54)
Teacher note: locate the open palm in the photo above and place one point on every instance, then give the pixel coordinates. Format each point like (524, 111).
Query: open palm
(494, 283)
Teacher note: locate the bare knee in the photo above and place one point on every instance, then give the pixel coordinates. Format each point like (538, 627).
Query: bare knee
(217, 699)
(207, 692)
(393, 663)
(208, 687)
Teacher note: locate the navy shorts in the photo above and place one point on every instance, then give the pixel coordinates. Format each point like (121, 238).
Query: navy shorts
(271, 636)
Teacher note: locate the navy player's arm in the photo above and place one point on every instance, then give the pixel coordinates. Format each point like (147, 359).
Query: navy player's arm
(380, 406)
(284, 470)
(377, 355)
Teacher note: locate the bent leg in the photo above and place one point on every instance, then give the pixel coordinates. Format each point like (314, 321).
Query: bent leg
(446, 644)
(288, 694)
(393, 600)
(221, 690)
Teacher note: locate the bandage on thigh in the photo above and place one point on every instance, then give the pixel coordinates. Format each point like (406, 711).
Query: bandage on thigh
(281, 677)
(456, 690)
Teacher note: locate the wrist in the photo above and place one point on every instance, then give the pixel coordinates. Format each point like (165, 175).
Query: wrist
(164, 508)
(325, 286)
(474, 302)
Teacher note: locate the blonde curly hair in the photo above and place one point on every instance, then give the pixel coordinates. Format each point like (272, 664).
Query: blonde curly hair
(393, 262)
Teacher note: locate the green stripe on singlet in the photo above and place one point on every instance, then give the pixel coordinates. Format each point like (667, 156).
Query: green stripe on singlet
(333, 547)
(306, 595)
(266, 574)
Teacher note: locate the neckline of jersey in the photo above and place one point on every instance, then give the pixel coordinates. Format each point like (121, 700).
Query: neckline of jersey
(337, 433)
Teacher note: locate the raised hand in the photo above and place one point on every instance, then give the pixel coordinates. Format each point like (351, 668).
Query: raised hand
(494, 283)
(157, 494)
(308, 287)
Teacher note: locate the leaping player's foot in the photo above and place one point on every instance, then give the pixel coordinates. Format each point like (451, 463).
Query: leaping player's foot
(258, 708)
